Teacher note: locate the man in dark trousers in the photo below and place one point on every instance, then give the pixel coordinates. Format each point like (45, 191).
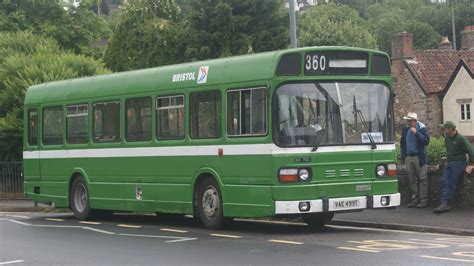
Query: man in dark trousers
(457, 147)
(413, 143)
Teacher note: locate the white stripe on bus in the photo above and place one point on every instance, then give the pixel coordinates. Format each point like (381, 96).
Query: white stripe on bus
(207, 150)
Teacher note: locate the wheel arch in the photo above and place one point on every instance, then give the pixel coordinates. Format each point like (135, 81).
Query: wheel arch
(201, 174)
(73, 175)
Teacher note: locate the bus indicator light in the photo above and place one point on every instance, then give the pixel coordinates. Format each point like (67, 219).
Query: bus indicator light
(220, 152)
(288, 175)
(392, 169)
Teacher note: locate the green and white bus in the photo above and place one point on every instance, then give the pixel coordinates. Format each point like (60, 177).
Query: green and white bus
(301, 132)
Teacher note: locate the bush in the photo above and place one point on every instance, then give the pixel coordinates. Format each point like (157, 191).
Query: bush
(436, 149)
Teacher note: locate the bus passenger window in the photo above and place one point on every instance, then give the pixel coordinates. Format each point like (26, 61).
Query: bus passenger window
(107, 122)
(53, 125)
(205, 108)
(170, 117)
(33, 127)
(138, 115)
(77, 124)
(246, 112)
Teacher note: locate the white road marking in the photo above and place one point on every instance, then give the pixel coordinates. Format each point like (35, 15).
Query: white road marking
(89, 222)
(11, 262)
(180, 240)
(128, 226)
(173, 230)
(98, 231)
(18, 216)
(285, 242)
(17, 222)
(55, 220)
(227, 236)
(358, 249)
(445, 258)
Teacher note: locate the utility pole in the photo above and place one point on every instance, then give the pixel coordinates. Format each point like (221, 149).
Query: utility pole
(453, 26)
(292, 24)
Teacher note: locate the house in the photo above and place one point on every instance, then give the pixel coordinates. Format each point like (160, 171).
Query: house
(435, 83)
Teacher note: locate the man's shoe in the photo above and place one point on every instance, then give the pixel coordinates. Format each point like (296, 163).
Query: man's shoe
(442, 208)
(422, 205)
(413, 204)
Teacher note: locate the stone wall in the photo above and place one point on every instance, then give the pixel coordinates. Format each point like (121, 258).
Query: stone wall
(465, 196)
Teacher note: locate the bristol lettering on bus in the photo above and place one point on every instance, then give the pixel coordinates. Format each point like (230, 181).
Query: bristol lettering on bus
(304, 132)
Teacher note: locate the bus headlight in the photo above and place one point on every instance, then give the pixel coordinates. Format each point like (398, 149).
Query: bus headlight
(380, 171)
(303, 174)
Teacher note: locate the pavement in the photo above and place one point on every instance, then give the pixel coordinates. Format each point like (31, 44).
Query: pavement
(457, 221)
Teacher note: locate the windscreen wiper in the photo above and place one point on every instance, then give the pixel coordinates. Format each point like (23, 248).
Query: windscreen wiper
(319, 137)
(366, 128)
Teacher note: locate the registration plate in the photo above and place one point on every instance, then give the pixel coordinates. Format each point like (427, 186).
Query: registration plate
(346, 204)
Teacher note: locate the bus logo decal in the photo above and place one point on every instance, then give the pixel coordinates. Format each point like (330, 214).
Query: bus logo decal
(202, 77)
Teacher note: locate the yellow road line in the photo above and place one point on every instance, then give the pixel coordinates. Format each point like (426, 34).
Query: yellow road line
(228, 236)
(359, 249)
(285, 242)
(128, 226)
(55, 220)
(89, 222)
(444, 258)
(173, 230)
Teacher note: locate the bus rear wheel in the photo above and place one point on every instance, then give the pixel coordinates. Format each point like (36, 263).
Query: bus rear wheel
(79, 201)
(317, 220)
(209, 203)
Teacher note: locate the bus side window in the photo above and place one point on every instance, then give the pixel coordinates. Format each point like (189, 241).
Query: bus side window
(170, 117)
(205, 108)
(107, 121)
(33, 127)
(77, 124)
(246, 112)
(138, 119)
(53, 125)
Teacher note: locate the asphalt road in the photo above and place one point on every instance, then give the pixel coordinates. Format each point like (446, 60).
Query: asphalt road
(46, 239)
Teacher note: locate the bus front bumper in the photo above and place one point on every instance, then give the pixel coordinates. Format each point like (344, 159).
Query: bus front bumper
(337, 204)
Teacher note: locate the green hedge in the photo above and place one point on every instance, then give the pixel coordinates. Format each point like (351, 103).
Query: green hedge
(435, 150)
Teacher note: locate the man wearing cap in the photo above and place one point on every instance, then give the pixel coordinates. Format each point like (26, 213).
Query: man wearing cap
(457, 146)
(413, 143)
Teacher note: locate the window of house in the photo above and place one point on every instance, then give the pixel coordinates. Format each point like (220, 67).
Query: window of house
(33, 127)
(205, 112)
(246, 112)
(138, 119)
(77, 124)
(170, 117)
(465, 111)
(53, 125)
(107, 121)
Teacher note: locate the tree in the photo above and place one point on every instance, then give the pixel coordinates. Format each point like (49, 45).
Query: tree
(144, 36)
(332, 24)
(27, 59)
(72, 29)
(231, 27)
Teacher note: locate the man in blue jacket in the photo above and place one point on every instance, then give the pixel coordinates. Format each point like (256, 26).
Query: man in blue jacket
(413, 143)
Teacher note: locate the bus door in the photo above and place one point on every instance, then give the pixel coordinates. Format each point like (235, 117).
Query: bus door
(31, 160)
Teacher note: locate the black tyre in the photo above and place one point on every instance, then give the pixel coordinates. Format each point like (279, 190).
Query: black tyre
(79, 200)
(209, 204)
(317, 220)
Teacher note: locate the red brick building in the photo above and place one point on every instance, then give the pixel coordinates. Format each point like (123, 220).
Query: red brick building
(421, 78)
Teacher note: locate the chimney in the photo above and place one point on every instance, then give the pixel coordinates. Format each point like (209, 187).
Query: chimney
(467, 38)
(402, 45)
(445, 44)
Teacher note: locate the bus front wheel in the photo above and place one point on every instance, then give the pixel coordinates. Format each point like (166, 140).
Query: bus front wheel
(80, 199)
(209, 202)
(317, 220)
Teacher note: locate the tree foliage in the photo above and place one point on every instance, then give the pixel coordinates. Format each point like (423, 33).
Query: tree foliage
(27, 59)
(144, 36)
(155, 32)
(221, 28)
(334, 25)
(72, 29)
